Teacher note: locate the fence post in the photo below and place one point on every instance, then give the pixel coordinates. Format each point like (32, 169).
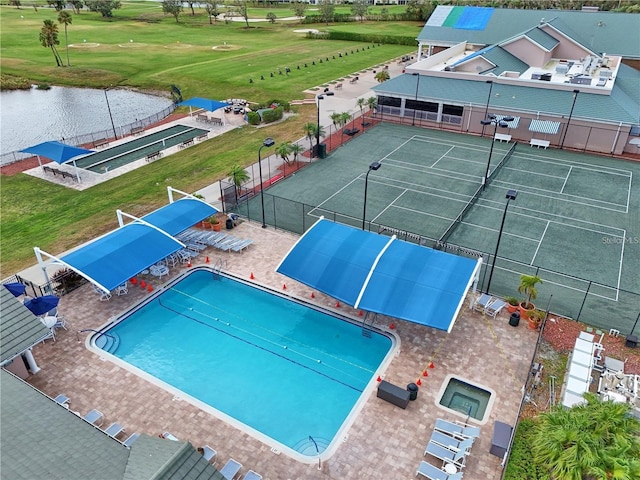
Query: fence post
(583, 300)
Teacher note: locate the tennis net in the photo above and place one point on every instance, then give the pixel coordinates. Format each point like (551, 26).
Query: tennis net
(504, 160)
(458, 220)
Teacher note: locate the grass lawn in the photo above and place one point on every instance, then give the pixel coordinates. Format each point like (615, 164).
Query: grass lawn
(163, 53)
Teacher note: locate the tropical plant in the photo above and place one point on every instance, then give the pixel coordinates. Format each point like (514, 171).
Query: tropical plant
(513, 301)
(382, 76)
(593, 440)
(528, 288)
(65, 19)
(283, 150)
(238, 176)
(361, 103)
(310, 130)
(296, 150)
(372, 103)
(49, 39)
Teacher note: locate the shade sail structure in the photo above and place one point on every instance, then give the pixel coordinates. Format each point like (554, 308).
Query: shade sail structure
(180, 215)
(205, 103)
(56, 151)
(16, 288)
(113, 259)
(42, 305)
(544, 126)
(382, 274)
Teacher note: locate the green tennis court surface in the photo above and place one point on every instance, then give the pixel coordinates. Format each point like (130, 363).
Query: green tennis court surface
(575, 222)
(111, 158)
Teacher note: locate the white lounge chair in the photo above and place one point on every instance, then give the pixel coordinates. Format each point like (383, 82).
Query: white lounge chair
(482, 302)
(104, 296)
(208, 453)
(251, 475)
(434, 473)
(442, 453)
(456, 429)
(494, 307)
(63, 400)
(94, 417)
(231, 469)
(450, 442)
(122, 289)
(131, 439)
(159, 270)
(170, 436)
(114, 429)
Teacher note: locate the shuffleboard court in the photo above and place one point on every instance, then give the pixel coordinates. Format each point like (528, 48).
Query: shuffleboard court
(573, 223)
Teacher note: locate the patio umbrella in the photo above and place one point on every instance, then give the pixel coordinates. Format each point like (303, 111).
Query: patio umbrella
(42, 305)
(58, 152)
(16, 288)
(205, 103)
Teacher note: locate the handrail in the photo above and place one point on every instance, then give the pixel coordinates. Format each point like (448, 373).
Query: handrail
(92, 330)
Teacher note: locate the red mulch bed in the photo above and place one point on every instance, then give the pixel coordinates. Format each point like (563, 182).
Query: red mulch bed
(562, 333)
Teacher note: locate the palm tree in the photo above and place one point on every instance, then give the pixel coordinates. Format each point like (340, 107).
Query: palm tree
(372, 103)
(237, 176)
(592, 440)
(345, 117)
(310, 130)
(49, 39)
(382, 76)
(361, 102)
(284, 149)
(65, 19)
(296, 150)
(528, 287)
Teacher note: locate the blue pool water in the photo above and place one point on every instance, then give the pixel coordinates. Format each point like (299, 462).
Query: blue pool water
(281, 368)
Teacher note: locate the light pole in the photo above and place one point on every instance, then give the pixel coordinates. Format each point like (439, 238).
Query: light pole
(413, 122)
(268, 142)
(373, 166)
(319, 97)
(493, 120)
(110, 116)
(511, 195)
(564, 135)
(486, 109)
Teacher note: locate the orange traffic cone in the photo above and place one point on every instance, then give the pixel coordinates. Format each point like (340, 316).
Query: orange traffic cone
(392, 326)
(206, 260)
(360, 313)
(284, 286)
(251, 276)
(338, 305)
(378, 379)
(419, 382)
(425, 373)
(189, 264)
(431, 365)
(142, 284)
(150, 288)
(313, 295)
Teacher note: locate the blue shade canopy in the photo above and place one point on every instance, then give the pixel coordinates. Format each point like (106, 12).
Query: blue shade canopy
(42, 305)
(113, 259)
(16, 288)
(56, 151)
(206, 103)
(381, 274)
(180, 215)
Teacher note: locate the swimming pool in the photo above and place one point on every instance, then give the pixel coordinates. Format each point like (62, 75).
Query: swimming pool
(291, 374)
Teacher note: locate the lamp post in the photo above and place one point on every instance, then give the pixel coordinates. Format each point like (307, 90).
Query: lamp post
(268, 142)
(564, 135)
(110, 116)
(373, 166)
(486, 109)
(413, 122)
(493, 120)
(511, 195)
(319, 97)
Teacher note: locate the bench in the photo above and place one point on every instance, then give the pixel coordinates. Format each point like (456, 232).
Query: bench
(186, 143)
(102, 142)
(202, 137)
(539, 143)
(338, 86)
(50, 169)
(353, 80)
(137, 130)
(351, 131)
(393, 394)
(154, 155)
(502, 137)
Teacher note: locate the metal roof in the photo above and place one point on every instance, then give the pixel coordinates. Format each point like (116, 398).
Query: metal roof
(603, 32)
(623, 105)
(544, 126)
(41, 439)
(504, 61)
(20, 330)
(542, 38)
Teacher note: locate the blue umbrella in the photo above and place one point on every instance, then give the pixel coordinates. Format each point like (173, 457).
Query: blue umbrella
(16, 288)
(205, 103)
(42, 305)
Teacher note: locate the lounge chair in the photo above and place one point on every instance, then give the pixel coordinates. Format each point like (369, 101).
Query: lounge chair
(122, 289)
(208, 453)
(63, 400)
(434, 473)
(231, 469)
(131, 439)
(446, 455)
(104, 296)
(114, 429)
(242, 245)
(457, 430)
(170, 436)
(159, 270)
(482, 302)
(450, 442)
(94, 417)
(494, 307)
(251, 475)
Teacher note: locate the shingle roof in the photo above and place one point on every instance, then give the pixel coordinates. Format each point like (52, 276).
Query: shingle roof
(623, 105)
(603, 32)
(19, 328)
(41, 439)
(160, 459)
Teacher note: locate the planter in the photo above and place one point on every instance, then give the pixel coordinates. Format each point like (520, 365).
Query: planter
(512, 308)
(216, 227)
(526, 312)
(534, 323)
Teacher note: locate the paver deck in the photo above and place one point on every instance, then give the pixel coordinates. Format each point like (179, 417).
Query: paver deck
(384, 442)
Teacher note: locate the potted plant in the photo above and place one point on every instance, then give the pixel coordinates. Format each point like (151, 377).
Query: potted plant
(512, 304)
(528, 287)
(535, 319)
(215, 223)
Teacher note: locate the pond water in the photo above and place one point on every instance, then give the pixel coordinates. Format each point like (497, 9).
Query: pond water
(29, 117)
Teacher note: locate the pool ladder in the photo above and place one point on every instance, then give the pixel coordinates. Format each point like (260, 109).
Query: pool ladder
(218, 266)
(366, 330)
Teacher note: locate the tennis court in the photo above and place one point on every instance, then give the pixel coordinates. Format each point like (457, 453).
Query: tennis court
(575, 221)
(111, 158)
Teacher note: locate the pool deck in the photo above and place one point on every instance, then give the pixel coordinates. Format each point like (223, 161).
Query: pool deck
(384, 442)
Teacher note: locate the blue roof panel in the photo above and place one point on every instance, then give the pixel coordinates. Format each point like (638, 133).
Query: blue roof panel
(180, 215)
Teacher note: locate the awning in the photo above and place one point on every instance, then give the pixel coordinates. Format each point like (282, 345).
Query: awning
(180, 215)
(205, 103)
(512, 124)
(544, 126)
(381, 274)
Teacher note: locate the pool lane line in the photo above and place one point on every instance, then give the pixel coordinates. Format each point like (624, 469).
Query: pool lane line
(291, 360)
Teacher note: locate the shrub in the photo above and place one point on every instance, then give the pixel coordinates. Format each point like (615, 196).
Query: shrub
(273, 114)
(253, 118)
